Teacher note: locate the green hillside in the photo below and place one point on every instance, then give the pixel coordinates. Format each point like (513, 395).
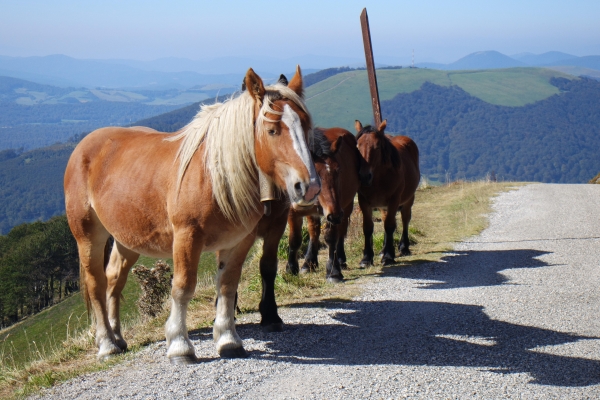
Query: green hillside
(46, 331)
(341, 99)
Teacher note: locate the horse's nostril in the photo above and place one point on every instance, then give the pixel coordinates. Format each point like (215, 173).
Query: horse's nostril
(299, 188)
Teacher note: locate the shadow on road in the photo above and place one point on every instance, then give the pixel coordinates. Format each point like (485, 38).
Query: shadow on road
(428, 333)
(415, 333)
(468, 268)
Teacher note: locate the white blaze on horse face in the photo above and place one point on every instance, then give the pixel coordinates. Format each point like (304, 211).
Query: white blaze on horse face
(292, 121)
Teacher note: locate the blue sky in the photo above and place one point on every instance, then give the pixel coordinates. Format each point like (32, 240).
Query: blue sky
(438, 31)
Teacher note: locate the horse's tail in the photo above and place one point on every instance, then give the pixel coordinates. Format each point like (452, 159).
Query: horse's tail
(83, 275)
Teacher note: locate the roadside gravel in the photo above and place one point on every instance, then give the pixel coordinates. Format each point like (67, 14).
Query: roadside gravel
(511, 313)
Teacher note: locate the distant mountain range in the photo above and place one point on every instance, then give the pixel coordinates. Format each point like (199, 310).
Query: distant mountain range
(161, 74)
(183, 73)
(588, 65)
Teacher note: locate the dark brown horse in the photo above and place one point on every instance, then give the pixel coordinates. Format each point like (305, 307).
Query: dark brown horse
(389, 178)
(336, 155)
(177, 195)
(336, 161)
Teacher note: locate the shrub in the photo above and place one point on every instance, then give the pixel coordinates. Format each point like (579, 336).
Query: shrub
(156, 285)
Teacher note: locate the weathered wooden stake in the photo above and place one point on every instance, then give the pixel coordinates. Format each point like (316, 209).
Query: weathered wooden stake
(366, 33)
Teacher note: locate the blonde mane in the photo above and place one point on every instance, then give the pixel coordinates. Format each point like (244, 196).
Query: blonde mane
(227, 130)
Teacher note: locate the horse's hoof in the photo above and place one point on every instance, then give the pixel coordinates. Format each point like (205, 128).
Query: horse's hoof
(304, 271)
(184, 360)
(405, 252)
(335, 279)
(107, 357)
(291, 271)
(343, 265)
(387, 261)
(365, 264)
(236, 352)
(273, 327)
(122, 344)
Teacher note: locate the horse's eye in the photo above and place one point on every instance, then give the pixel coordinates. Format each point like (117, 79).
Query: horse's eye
(272, 132)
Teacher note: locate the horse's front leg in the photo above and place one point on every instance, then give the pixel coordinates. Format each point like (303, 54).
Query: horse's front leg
(270, 320)
(311, 260)
(294, 243)
(186, 254)
(406, 213)
(367, 212)
(334, 272)
(229, 344)
(389, 225)
(121, 261)
(340, 251)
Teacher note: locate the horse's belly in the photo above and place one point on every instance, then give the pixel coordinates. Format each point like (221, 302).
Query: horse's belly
(226, 238)
(152, 243)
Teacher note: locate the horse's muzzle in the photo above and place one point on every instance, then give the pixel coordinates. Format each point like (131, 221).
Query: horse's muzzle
(306, 193)
(366, 179)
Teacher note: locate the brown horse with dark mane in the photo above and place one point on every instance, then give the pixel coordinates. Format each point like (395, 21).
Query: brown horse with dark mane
(336, 162)
(177, 195)
(335, 150)
(389, 178)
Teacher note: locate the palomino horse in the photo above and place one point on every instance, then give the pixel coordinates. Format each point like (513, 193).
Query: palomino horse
(389, 178)
(336, 162)
(335, 149)
(177, 195)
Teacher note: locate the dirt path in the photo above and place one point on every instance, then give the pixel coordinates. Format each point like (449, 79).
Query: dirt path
(512, 313)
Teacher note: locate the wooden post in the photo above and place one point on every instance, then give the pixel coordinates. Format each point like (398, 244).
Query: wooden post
(366, 33)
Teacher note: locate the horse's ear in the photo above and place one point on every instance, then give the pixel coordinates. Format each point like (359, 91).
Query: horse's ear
(335, 146)
(296, 83)
(358, 126)
(283, 80)
(255, 85)
(381, 128)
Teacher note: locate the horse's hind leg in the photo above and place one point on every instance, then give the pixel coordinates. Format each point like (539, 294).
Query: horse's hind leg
(311, 260)
(229, 344)
(406, 214)
(91, 256)
(186, 255)
(368, 226)
(121, 261)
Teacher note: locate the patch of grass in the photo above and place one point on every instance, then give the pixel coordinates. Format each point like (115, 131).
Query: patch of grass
(442, 216)
(512, 87)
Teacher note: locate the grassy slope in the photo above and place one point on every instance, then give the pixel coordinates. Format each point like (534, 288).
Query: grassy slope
(46, 331)
(341, 99)
(441, 216)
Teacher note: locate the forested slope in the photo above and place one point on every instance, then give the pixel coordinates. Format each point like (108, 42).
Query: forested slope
(31, 184)
(553, 140)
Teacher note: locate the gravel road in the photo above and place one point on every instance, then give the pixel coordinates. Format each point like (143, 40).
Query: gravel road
(511, 313)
